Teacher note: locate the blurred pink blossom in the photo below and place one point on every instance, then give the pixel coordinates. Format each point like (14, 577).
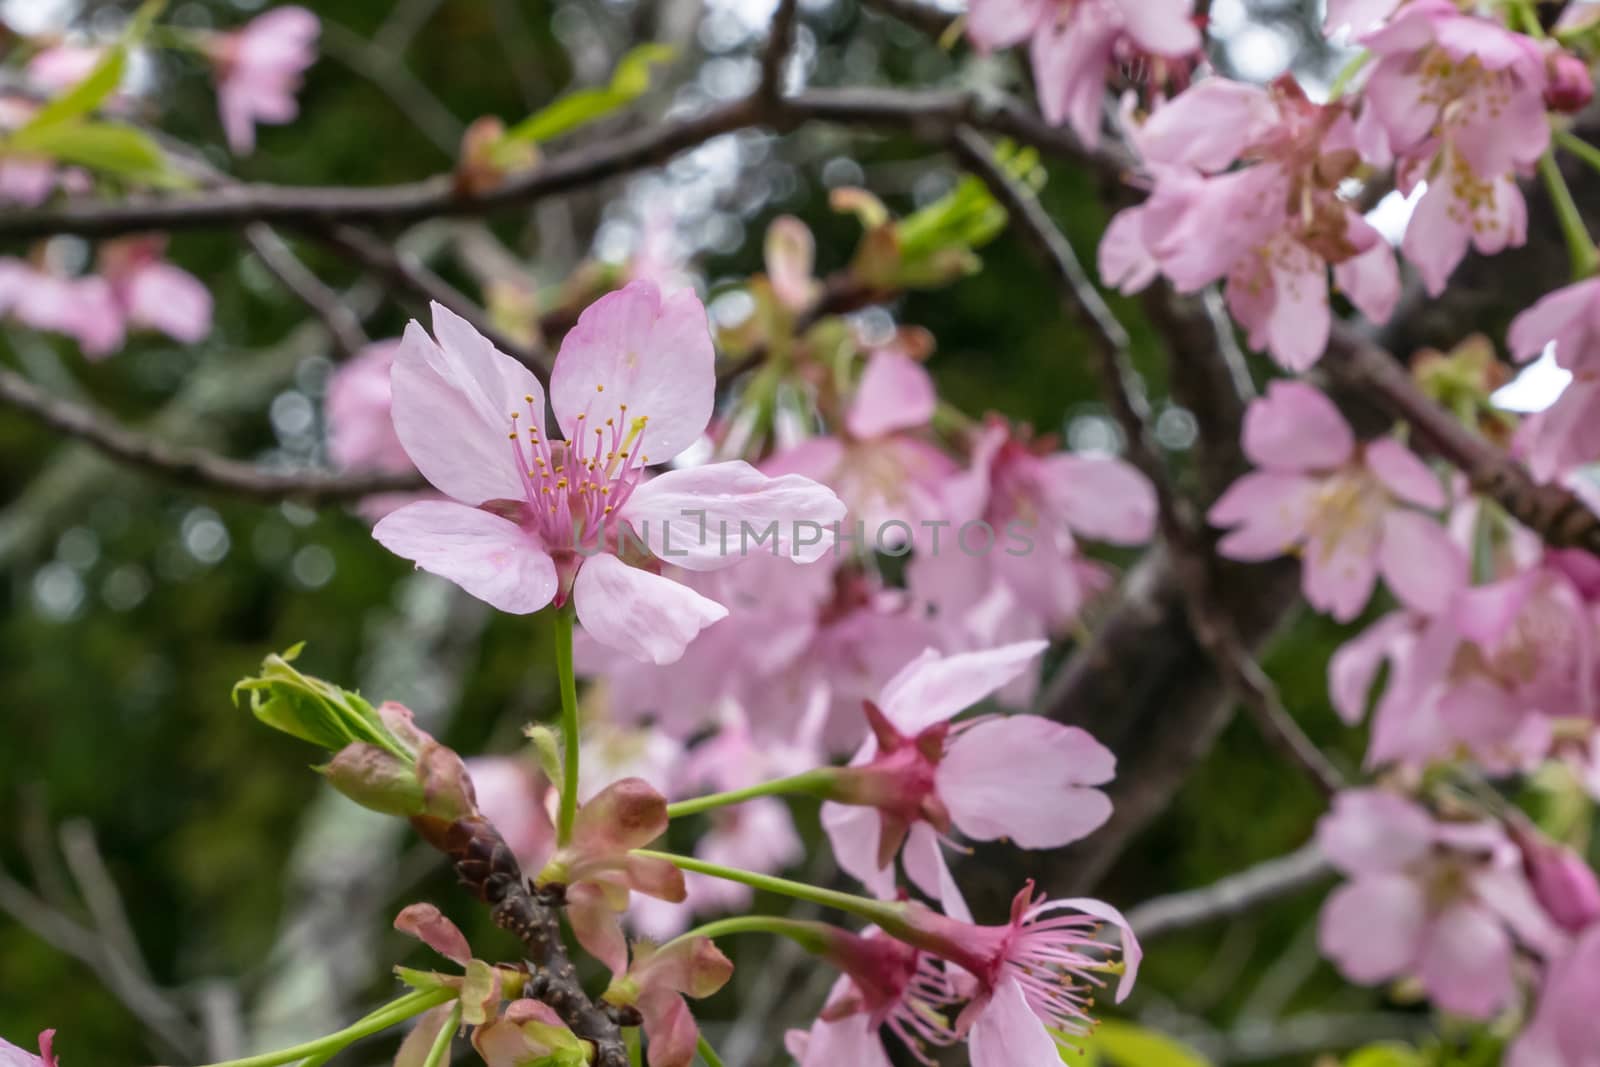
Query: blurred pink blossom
(259, 68)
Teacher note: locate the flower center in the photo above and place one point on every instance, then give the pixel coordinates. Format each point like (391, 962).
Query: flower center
(572, 489)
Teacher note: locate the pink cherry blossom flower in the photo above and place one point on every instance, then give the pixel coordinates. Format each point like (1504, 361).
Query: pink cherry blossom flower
(1020, 777)
(657, 981)
(1460, 100)
(1075, 43)
(1488, 672)
(1014, 517)
(534, 521)
(361, 434)
(84, 308)
(12, 1056)
(152, 293)
(1272, 228)
(886, 473)
(886, 984)
(1565, 1029)
(1340, 506)
(259, 68)
(1566, 434)
(598, 870)
(1033, 978)
(1444, 901)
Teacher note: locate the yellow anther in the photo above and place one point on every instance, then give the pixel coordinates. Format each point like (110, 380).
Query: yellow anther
(512, 435)
(599, 388)
(515, 415)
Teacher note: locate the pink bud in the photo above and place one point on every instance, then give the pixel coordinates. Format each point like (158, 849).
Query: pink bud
(1571, 85)
(1562, 881)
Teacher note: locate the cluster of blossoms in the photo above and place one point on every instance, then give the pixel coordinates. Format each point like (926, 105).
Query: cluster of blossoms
(1487, 658)
(258, 71)
(749, 635)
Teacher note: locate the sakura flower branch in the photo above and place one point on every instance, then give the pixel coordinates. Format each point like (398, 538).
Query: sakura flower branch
(1109, 342)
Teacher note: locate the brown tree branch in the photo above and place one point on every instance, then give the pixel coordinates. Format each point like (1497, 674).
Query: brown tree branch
(1181, 528)
(486, 865)
(932, 115)
(187, 466)
(1553, 512)
(780, 42)
(326, 304)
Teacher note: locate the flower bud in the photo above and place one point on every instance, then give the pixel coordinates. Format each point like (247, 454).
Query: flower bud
(1563, 883)
(1571, 85)
(375, 778)
(791, 254)
(487, 156)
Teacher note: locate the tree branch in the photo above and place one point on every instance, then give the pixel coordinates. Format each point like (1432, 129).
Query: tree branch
(1553, 512)
(932, 115)
(1233, 895)
(188, 466)
(281, 262)
(780, 41)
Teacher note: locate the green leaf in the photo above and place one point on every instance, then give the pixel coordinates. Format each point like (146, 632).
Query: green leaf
(1388, 1054)
(105, 147)
(1128, 1045)
(95, 89)
(97, 86)
(629, 81)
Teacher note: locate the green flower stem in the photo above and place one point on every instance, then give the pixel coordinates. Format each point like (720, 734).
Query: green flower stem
(396, 1011)
(1585, 258)
(811, 936)
(886, 915)
(1347, 74)
(707, 1053)
(440, 1051)
(1579, 147)
(569, 726)
(815, 783)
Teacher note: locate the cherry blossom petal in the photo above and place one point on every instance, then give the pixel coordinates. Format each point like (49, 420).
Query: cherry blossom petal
(1165, 27)
(1007, 1033)
(635, 355)
(1374, 831)
(923, 860)
(1421, 564)
(644, 615)
(1208, 126)
(852, 1040)
(171, 300)
(1354, 667)
(1125, 260)
(1269, 513)
(452, 426)
(596, 926)
(1002, 23)
(1569, 318)
(1296, 428)
(492, 558)
(1022, 778)
(1371, 281)
(854, 832)
(933, 688)
(1100, 497)
(1466, 962)
(1404, 474)
(1372, 928)
(895, 393)
(1071, 60)
(1131, 951)
(427, 924)
(713, 516)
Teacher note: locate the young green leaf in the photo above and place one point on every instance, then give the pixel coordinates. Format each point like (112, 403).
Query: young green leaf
(110, 148)
(629, 81)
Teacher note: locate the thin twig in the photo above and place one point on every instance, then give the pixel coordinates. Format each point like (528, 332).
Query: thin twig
(774, 60)
(281, 262)
(188, 466)
(1180, 527)
(1233, 895)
